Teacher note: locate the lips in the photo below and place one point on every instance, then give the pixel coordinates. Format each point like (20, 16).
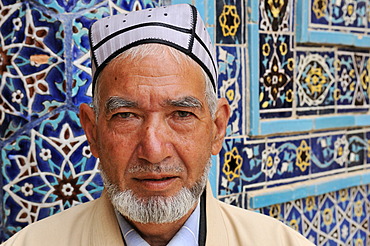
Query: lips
(162, 179)
(156, 182)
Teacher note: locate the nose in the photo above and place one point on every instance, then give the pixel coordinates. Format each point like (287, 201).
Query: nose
(154, 145)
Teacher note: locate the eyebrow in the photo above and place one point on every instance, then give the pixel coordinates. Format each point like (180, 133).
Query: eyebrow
(185, 102)
(115, 102)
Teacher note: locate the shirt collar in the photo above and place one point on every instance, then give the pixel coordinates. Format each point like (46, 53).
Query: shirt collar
(186, 236)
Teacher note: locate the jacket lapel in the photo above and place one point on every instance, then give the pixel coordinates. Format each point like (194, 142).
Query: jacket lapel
(104, 228)
(216, 229)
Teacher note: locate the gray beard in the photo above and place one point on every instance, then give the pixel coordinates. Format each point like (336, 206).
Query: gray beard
(155, 209)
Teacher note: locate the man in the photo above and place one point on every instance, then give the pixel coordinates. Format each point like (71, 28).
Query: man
(154, 124)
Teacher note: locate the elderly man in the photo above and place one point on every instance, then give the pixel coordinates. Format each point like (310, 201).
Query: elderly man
(154, 124)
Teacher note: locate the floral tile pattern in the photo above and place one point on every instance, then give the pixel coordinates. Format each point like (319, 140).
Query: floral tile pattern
(230, 21)
(32, 68)
(274, 161)
(57, 172)
(230, 63)
(338, 218)
(348, 15)
(300, 80)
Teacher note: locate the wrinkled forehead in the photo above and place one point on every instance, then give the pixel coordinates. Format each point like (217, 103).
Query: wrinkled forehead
(151, 66)
(177, 26)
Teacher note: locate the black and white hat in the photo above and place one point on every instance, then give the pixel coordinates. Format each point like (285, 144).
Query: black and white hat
(179, 26)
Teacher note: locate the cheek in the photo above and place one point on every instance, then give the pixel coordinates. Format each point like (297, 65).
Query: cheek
(114, 154)
(195, 152)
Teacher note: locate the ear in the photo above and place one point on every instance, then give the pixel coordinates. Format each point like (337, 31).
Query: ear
(220, 122)
(88, 121)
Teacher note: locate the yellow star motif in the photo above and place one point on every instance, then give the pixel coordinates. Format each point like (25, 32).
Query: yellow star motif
(229, 20)
(232, 165)
(319, 8)
(303, 156)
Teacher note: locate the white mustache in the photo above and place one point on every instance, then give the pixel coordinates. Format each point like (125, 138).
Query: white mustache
(156, 168)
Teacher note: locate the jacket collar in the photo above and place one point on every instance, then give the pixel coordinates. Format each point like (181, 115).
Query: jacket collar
(104, 228)
(216, 229)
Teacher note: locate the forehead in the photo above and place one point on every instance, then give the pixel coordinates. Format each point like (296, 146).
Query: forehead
(155, 74)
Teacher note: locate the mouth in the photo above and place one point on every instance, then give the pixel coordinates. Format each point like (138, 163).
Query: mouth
(157, 179)
(156, 183)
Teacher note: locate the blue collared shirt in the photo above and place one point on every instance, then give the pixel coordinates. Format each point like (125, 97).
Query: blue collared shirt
(186, 236)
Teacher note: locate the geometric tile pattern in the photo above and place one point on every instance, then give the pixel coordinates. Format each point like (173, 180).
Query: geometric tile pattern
(47, 170)
(46, 163)
(336, 218)
(300, 80)
(247, 164)
(348, 15)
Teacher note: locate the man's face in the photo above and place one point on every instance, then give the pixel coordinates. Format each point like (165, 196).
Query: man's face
(153, 115)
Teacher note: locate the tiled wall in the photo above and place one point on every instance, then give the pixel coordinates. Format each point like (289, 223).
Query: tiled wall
(297, 77)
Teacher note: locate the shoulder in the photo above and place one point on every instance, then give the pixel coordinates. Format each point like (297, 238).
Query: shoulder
(56, 227)
(258, 228)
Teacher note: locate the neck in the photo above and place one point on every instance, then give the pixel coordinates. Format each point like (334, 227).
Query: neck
(160, 234)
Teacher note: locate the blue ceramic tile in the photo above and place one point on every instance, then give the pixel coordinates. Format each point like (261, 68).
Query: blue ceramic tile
(232, 200)
(276, 76)
(344, 200)
(230, 167)
(315, 82)
(329, 152)
(310, 207)
(352, 86)
(367, 152)
(276, 211)
(46, 170)
(343, 14)
(240, 166)
(328, 215)
(275, 16)
(350, 13)
(287, 159)
(230, 65)
(33, 79)
(124, 5)
(230, 27)
(252, 167)
(293, 217)
(360, 237)
(10, 2)
(62, 6)
(319, 12)
(359, 212)
(357, 148)
(81, 70)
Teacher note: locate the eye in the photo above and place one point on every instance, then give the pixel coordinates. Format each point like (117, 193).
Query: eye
(124, 115)
(183, 114)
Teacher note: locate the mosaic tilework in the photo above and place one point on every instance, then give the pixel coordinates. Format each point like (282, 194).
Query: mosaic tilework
(46, 163)
(247, 164)
(32, 68)
(336, 218)
(47, 170)
(230, 27)
(348, 15)
(301, 80)
(230, 63)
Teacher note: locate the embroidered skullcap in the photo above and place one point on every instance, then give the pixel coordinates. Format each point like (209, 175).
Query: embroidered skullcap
(178, 26)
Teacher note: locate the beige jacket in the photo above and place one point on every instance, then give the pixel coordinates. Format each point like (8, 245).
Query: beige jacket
(94, 223)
